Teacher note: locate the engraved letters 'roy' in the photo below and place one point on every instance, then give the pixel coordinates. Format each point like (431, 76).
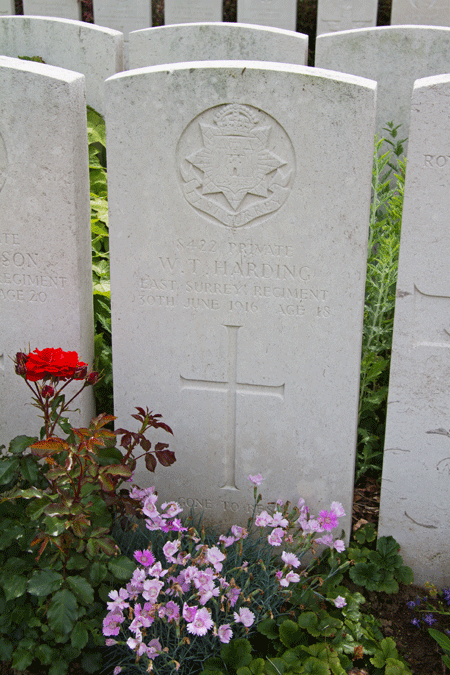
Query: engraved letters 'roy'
(244, 166)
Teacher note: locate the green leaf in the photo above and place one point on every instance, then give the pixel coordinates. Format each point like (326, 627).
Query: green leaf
(36, 507)
(62, 611)
(21, 443)
(269, 628)
(404, 575)
(236, 653)
(22, 658)
(31, 471)
(59, 667)
(44, 582)
(313, 666)
(54, 526)
(122, 567)
(79, 636)
(6, 649)
(77, 562)
(396, 667)
(310, 622)
(91, 662)
(442, 639)
(290, 633)
(387, 651)
(276, 666)
(45, 654)
(97, 572)
(8, 468)
(82, 589)
(13, 585)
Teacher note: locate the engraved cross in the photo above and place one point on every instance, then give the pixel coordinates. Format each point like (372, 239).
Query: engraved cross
(232, 388)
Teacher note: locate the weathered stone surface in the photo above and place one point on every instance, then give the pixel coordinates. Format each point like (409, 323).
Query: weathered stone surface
(416, 468)
(422, 12)
(215, 41)
(6, 7)
(45, 269)
(64, 9)
(394, 56)
(191, 11)
(123, 15)
(95, 52)
(278, 13)
(238, 249)
(337, 15)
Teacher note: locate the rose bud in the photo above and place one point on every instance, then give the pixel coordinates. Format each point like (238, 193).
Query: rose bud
(21, 363)
(92, 378)
(47, 391)
(80, 372)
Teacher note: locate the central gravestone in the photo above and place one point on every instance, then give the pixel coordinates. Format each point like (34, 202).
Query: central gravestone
(238, 250)
(422, 12)
(337, 15)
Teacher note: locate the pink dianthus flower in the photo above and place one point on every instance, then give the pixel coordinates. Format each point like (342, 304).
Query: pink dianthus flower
(245, 616)
(202, 622)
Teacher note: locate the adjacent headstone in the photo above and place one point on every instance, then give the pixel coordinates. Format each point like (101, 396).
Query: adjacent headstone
(395, 56)
(6, 7)
(215, 42)
(45, 269)
(423, 12)
(238, 252)
(277, 13)
(337, 15)
(64, 9)
(191, 11)
(96, 52)
(416, 467)
(123, 15)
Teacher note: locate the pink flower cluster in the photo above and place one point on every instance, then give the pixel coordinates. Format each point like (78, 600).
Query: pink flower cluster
(187, 589)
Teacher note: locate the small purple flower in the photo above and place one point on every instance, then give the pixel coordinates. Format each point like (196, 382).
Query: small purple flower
(145, 558)
(328, 520)
(339, 601)
(112, 623)
(276, 537)
(245, 616)
(225, 633)
(290, 559)
(429, 619)
(339, 545)
(415, 622)
(263, 519)
(256, 480)
(201, 623)
(410, 604)
(446, 594)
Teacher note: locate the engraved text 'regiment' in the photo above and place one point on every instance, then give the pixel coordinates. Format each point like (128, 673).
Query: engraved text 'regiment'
(232, 387)
(3, 162)
(236, 163)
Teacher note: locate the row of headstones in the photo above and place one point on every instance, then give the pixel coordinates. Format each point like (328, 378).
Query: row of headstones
(383, 54)
(238, 235)
(332, 15)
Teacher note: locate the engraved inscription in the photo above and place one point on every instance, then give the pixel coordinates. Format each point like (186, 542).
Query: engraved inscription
(236, 164)
(3, 162)
(349, 14)
(433, 319)
(231, 388)
(423, 4)
(436, 161)
(21, 279)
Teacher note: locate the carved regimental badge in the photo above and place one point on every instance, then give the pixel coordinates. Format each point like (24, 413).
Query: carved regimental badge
(237, 164)
(3, 162)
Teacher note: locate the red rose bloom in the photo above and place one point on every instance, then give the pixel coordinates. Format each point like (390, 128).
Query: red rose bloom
(52, 363)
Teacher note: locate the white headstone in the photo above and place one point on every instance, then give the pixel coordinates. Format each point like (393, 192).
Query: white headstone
(238, 249)
(96, 52)
(123, 15)
(45, 268)
(395, 56)
(337, 15)
(416, 467)
(277, 13)
(191, 11)
(215, 42)
(6, 7)
(64, 9)
(423, 12)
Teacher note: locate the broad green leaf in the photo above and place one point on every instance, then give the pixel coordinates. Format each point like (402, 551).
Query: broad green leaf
(59, 667)
(310, 622)
(269, 628)
(31, 471)
(44, 583)
(6, 649)
(79, 636)
(313, 666)
(97, 572)
(45, 654)
(77, 562)
(20, 444)
(62, 611)
(14, 585)
(404, 575)
(8, 468)
(54, 526)
(289, 633)
(276, 666)
(91, 662)
(82, 589)
(22, 658)
(36, 508)
(396, 667)
(122, 567)
(236, 654)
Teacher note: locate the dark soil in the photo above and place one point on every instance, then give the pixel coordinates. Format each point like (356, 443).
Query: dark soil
(415, 645)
